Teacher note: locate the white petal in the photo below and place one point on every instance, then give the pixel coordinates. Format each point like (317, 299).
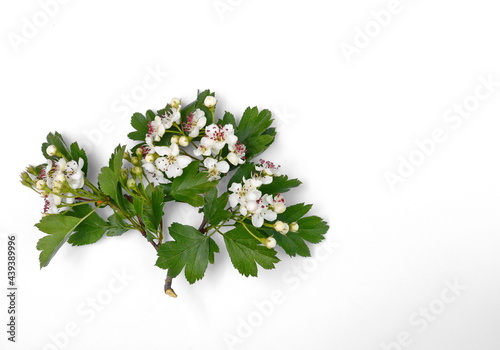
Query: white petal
(163, 150)
(209, 162)
(257, 220)
(174, 149)
(235, 187)
(202, 122)
(183, 161)
(194, 132)
(233, 158)
(231, 139)
(270, 215)
(223, 167)
(233, 199)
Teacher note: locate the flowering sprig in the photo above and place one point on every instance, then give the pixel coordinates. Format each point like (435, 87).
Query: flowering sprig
(181, 155)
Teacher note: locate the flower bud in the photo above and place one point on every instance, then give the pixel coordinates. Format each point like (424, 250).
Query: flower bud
(174, 139)
(60, 178)
(124, 173)
(183, 141)
(279, 207)
(281, 227)
(175, 103)
(210, 101)
(150, 158)
(139, 152)
(51, 150)
(131, 183)
(135, 160)
(137, 170)
(126, 156)
(40, 184)
(26, 178)
(270, 242)
(294, 227)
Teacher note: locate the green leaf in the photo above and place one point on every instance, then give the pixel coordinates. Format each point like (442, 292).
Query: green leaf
(116, 225)
(140, 124)
(254, 131)
(190, 251)
(215, 208)
(57, 140)
(90, 230)
(292, 244)
(312, 228)
(280, 184)
(77, 153)
(228, 118)
(245, 170)
(190, 185)
(246, 252)
(110, 177)
(213, 248)
(294, 212)
(58, 227)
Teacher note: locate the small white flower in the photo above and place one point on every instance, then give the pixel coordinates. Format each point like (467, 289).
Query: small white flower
(279, 204)
(262, 211)
(243, 193)
(268, 168)
(170, 162)
(204, 148)
(155, 174)
(156, 129)
(168, 119)
(210, 101)
(218, 137)
(215, 168)
(237, 153)
(74, 174)
(194, 122)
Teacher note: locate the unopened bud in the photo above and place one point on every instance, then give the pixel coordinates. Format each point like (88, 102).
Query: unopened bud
(126, 156)
(210, 101)
(174, 139)
(279, 207)
(150, 158)
(175, 103)
(270, 242)
(60, 178)
(281, 227)
(124, 173)
(131, 183)
(135, 160)
(183, 141)
(137, 170)
(40, 184)
(139, 152)
(51, 150)
(294, 227)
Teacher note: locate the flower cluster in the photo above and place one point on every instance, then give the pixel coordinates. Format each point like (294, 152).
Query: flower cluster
(163, 163)
(57, 181)
(247, 198)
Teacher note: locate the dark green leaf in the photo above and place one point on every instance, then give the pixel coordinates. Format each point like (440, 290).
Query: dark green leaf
(190, 251)
(116, 225)
(246, 252)
(215, 208)
(280, 184)
(294, 212)
(312, 229)
(90, 230)
(190, 185)
(254, 131)
(77, 153)
(58, 227)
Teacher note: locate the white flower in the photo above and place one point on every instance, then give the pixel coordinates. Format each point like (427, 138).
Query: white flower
(215, 168)
(279, 204)
(168, 119)
(170, 161)
(210, 101)
(154, 172)
(156, 129)
(268, 168)
(74, 174)
(261, 210)
(204, 148)
(219, 137)
(194, 122)
(237, 153)
(243, 193)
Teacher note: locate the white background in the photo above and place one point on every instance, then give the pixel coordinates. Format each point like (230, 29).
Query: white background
(390, 255)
